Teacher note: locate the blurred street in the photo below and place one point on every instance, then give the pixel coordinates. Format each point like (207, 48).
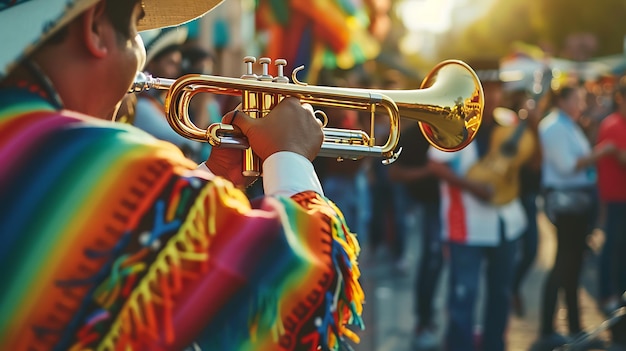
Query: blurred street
(388, 312)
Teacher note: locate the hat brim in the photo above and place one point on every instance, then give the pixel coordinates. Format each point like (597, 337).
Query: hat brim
(29, 23)
(168, 13)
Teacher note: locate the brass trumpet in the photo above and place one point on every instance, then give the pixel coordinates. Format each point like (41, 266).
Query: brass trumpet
(448, 107)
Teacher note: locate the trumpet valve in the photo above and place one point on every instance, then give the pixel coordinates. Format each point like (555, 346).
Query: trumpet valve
(280, 67)
(249, 61)
(265, 62)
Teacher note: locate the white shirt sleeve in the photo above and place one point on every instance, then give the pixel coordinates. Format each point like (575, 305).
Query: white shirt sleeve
(287, 173)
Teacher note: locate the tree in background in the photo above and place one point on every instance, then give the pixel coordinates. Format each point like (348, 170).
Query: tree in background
(545, 23)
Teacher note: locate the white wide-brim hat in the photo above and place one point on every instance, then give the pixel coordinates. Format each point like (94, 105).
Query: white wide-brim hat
(25, 24)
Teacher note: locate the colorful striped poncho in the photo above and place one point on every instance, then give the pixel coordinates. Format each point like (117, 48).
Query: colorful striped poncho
(112, 240)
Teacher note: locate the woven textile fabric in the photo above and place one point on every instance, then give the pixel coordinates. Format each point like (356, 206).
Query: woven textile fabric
(111, 239)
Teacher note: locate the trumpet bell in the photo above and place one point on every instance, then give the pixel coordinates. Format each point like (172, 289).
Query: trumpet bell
(448, 106)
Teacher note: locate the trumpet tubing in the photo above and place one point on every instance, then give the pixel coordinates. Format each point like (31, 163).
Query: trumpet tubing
(448, 107)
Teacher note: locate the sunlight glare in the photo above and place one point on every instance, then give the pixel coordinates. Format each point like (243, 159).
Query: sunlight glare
(430, 15)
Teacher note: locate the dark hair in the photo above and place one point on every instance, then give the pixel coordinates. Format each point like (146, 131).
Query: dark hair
(118, 11)
(196, 54)
(193, 56)
(166, 51)
(562, 93)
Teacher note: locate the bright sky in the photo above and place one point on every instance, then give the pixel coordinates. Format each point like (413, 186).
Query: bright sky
(431, 15)
(437, 16)
(424, 19)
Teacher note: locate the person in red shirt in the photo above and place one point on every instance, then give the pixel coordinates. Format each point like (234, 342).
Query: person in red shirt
(612, 192)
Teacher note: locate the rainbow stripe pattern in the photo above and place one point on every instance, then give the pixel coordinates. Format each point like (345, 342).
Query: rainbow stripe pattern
(112, 240)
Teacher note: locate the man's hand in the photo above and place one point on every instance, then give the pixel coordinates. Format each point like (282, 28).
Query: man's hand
(228, 162)
(481, 190)
(290, 126)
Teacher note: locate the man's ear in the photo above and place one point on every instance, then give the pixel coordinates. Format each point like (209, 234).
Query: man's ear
(96, 30)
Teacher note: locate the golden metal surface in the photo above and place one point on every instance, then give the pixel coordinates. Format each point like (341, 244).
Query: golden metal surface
(448, 107)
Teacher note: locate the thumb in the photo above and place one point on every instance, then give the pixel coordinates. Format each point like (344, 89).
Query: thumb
(238, 119)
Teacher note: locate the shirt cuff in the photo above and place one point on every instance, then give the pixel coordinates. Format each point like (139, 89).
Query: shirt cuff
(287, 173)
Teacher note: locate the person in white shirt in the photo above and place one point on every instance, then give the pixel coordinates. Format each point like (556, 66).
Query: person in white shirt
(569, 187)
(477, 233)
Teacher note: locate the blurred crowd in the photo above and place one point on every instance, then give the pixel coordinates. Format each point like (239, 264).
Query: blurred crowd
(559, 149)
